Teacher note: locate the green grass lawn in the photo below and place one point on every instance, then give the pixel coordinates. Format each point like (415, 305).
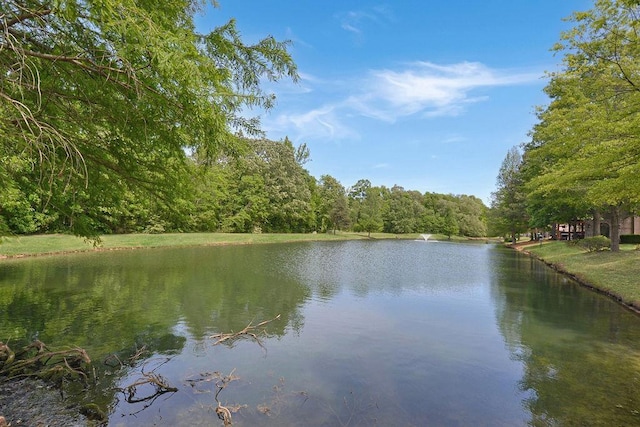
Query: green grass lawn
(60, 243)
(616, 273)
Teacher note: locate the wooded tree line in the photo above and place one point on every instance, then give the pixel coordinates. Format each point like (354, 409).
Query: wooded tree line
(118, 116)
(266, 189)
(583, 159)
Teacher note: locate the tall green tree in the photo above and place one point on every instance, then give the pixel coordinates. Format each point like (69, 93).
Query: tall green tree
(333, 212)
(471, 216)
(366, 206)
(446, 208)
(508, 213)
(432, 219)
(588, 137)
(265, 189)
(99, 98)
(286, 185)
(403, 211)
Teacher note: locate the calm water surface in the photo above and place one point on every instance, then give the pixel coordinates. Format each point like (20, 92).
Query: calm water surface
(389, 333)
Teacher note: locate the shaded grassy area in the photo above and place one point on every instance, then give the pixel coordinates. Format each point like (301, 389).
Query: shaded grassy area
(617, 274)
(60, 243)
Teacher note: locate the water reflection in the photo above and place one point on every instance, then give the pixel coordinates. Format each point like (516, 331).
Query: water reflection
(387, 333)
(580, 351)
(387, 266)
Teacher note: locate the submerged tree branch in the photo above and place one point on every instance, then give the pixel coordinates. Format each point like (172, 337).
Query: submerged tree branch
(36, 360)
(250, 330)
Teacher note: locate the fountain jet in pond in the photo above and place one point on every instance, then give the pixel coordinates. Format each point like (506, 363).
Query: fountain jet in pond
(425, 237)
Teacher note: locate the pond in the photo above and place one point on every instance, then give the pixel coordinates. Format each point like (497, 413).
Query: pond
(402, 333)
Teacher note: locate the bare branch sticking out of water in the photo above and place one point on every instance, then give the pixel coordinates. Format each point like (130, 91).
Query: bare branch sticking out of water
(223, 412)
(250, 331)
(158, 382)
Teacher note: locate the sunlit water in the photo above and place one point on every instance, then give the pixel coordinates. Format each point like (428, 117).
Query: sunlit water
(389, 333)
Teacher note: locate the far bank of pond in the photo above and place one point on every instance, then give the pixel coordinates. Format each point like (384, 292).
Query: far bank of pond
(616, 275)
(59, 244)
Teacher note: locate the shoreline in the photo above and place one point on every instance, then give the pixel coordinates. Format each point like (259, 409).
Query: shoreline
(18, 247)
(67, 244)
(31, 402)
(46, 245)
(577, 277)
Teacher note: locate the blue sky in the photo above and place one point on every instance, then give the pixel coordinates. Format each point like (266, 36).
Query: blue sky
(428, 95)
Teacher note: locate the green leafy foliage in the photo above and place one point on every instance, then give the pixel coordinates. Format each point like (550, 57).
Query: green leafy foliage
(365, 204)
(264, 190)
(333, 210)
(508, 213)
(101, 99)
(583, 156)
(402, 211)
(594, 244)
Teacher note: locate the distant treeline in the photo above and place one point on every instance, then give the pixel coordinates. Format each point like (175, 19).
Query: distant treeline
(263, 189)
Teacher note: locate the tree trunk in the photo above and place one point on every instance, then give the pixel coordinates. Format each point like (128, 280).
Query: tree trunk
(596, 223)
(570, 234)
(615, 229)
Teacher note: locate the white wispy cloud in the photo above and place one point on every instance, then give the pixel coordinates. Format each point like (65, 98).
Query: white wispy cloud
(352, 21)
(295, 39)
(419, 89)
(320, 123)
(453, 138)
(355, 21)
(430, 89)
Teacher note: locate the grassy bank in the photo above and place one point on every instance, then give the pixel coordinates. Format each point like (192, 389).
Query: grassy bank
(59, 243)
(49, 244)
(616, 274)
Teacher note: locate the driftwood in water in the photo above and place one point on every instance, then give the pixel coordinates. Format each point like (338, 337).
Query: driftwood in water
(148, 386)
(249, 331)
(221, 381)
(159, 384)
(36, 360)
